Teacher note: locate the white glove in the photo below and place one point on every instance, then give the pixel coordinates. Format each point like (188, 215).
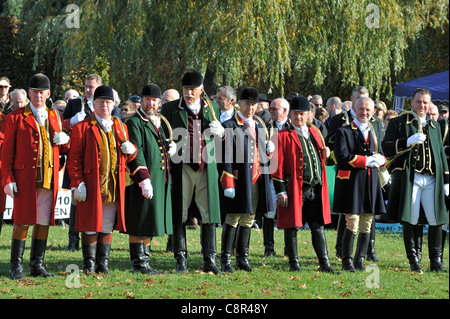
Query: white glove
(417, 138)
(270, 147)
(128, 148)
(77, 118)
(446, 192)
(11, 188)
(147, 188)
(379, 159)
(60, 138)
(371, 161)
(229, 192)
(217, 128)
(80, 193)
(172, 148)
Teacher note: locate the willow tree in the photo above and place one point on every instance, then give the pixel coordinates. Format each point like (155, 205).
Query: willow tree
(306, 46)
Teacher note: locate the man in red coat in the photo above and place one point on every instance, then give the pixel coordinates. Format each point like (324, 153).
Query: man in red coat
(96, 164)
(30, 173)
(301, 185)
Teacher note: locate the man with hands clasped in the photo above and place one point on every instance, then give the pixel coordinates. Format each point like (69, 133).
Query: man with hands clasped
(358, 192)
(30, 173)
(148, 207)
(420, 179)
(96, 164)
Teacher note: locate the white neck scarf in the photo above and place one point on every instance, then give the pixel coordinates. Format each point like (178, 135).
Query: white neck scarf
(249, 121)
(195, 107)
(39, 114)
(303, 131)
(106, 124)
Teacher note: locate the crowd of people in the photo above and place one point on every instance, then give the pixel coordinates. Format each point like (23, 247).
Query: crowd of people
(146, 166)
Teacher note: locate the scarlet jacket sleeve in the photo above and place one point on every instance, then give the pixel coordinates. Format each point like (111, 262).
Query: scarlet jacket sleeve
(8, 150)
(75, 158)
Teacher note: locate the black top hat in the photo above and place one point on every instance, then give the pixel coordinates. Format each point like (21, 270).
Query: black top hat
(250, 94)
(192, 79)
(151, 90)
(299, 103)
(104, 92)
(39, 82)
(263, 98)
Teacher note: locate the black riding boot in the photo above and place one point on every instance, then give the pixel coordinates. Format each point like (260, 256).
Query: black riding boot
(17, 249)
(340, 232)
(371, 248)
(361, 251)
(319, 243)
(290, 241)
(435, 248)
(37, 254)
(102, 258)
(179, 247)
(89, 253)
(208, 239)
(74, 237)
(348, 239)
(269, 242)
(418, 240)
(242, 248)
(410, 241)
(139, 259)
(228, 235)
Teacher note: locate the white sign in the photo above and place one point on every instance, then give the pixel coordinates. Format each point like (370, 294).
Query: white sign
(62, 209)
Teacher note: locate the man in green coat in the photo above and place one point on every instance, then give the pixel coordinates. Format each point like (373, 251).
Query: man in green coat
(148, 206)
(194, 169)
(420, 178)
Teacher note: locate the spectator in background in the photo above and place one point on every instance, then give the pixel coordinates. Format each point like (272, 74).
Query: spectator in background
(333, 106)
(322, 114)
(390, 114)
(5, 101)
(443, 110)
(19, 99)
(347, 105)
(70, 94)
(380, 109)
(170, 95)
(128, 108)
(60, 105)
(136, 100)
(317, 100)
(433, 112)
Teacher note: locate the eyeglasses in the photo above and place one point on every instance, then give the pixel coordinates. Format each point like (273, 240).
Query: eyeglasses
(318, 105)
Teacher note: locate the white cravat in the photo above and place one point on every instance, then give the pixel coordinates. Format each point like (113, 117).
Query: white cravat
(156, 120)
(363, 127)
(195, 107)
(105, 123)
(423, 121)
(39, 114)
(303, 131)
(249, 121)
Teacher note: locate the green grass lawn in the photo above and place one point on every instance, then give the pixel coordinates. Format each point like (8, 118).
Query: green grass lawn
(388, 279)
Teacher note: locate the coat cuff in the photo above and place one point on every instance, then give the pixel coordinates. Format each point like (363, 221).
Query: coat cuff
(359, 161)
(227, 180)
(141, 173)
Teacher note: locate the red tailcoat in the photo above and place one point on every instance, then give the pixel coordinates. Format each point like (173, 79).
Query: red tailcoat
(20, 160)
(289, 178)
(83, 165)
